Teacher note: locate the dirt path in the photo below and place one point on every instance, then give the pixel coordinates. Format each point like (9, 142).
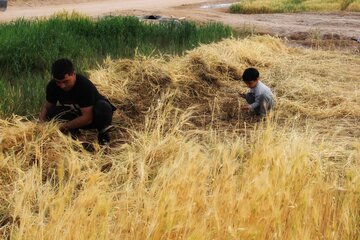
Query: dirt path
(92, 8)
(347, 24)
(343, 24)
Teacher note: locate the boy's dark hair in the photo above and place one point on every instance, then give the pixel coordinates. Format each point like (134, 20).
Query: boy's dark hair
(250, 74)
(61, 67)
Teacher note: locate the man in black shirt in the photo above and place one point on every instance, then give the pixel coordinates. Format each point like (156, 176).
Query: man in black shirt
(74, 99)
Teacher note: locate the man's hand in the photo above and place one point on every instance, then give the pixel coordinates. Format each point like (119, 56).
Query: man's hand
(85, 119)
(64, 128)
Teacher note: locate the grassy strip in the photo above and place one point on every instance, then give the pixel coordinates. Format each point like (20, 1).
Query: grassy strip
(23, 97)
(292, 6)
(29, 47)
(33, 45)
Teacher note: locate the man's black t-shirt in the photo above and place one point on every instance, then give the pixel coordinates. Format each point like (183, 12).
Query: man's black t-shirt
(83, 94)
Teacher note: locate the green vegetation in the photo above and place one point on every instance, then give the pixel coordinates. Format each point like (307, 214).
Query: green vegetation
(29, 47)
(284, 6)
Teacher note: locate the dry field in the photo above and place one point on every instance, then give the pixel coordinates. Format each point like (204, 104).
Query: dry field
(187, 163)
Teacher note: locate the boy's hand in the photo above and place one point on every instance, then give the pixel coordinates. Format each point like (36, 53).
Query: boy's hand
(243, 95)
(245, 107)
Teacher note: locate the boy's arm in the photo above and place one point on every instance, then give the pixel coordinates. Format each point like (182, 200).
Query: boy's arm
(256, 103)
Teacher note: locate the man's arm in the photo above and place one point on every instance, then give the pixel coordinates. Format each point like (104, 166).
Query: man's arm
(85, 119)
(44, 109)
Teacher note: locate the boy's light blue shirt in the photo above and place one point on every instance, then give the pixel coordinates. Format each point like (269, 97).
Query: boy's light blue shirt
(260, 89)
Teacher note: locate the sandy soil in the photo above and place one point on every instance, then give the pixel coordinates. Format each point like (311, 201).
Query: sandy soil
(343, 25)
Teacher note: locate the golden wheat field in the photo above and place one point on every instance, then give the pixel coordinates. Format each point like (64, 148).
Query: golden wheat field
(187, 163)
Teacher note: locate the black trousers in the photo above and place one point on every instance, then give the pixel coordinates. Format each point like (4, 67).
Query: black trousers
(102, 114)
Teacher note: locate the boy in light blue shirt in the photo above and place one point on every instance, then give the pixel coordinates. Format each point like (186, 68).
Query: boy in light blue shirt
(260, 98)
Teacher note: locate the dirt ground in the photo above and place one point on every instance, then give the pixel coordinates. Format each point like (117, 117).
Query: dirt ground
(337, 27)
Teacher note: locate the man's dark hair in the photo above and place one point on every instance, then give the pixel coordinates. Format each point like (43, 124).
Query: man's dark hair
(61, 67)
(250, 74)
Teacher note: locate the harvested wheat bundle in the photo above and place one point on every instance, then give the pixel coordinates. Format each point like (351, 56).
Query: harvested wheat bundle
(307, 83)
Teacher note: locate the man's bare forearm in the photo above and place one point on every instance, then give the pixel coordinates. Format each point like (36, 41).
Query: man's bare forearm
(76, 123)
(44, 110)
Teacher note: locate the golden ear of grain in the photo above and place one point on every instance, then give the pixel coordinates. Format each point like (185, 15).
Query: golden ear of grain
(194, 166)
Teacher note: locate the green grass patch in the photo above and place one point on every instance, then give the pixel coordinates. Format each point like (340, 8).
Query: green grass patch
(33, 45)
(293, 6)
(28, 49)
(23, 97)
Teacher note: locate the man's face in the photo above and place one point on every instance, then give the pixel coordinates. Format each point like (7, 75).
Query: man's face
(251, 84)
(67, 83)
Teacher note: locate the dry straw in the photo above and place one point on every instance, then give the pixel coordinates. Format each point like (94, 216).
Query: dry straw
(189, 169)
(312, 84)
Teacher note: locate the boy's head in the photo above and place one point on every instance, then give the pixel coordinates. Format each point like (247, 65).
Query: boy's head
(63, 73)
(251, 77)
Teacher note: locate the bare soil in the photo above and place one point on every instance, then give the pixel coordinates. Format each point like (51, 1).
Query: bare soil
(338, 27)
